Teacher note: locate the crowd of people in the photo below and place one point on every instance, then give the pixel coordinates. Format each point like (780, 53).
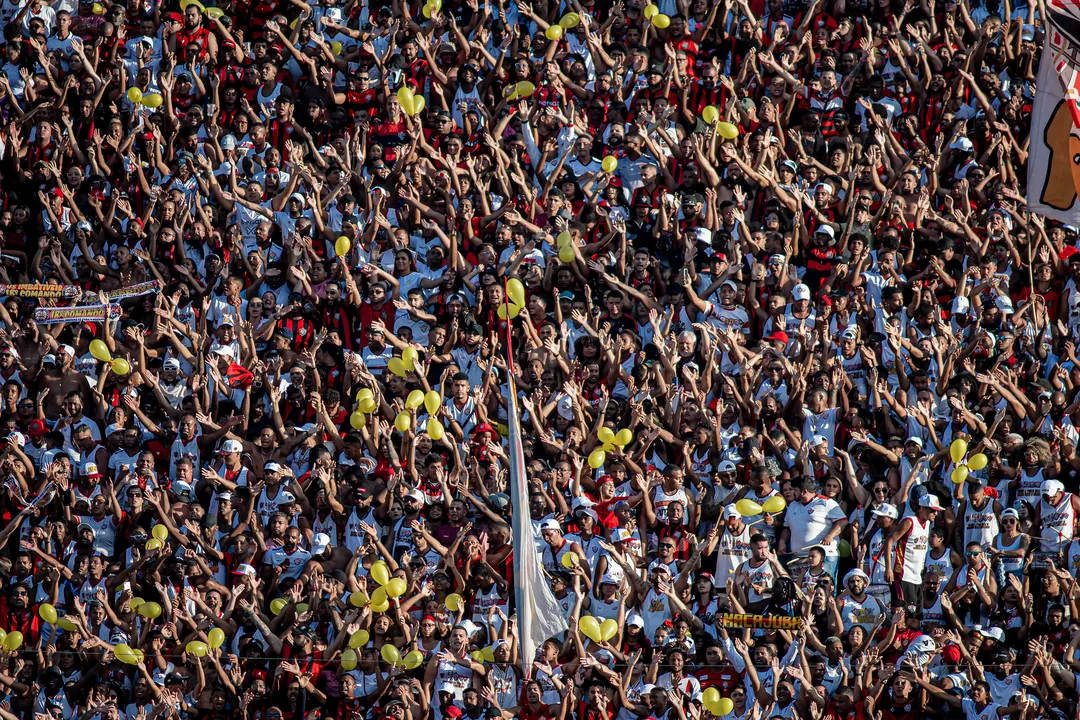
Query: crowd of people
(797, 370)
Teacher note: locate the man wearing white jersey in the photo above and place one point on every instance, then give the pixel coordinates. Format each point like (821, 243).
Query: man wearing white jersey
(1055, 519)
(904, 564)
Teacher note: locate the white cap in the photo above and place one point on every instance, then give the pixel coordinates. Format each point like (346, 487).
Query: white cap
(993, 632)
(416, 494)
(823, 186)
(565, 408)
(1010, 513)
(231, 446)
(725, 466)
(19, 439)
(550, 524)
(319, 543)
(581, 502)
(915, 439)
(171, 364)
(800, 292)
(228, 142)
(635, 620)
(1004, 303)
(272, 467)
(961, 306)
(849, 334)
(285, 498)
(886, 510)
(731, 511)
(68, 349)
(224, 350)
(826, 229)
(962, 144)
(1052, 487)
(244, 569)
(818, 440)
(930, 501)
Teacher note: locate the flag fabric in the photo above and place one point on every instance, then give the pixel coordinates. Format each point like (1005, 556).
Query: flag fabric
(539, 616)
(1054, 162)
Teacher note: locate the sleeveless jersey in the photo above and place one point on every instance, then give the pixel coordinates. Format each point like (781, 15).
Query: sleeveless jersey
(911, 554)
(980, 525)
(1058, 523)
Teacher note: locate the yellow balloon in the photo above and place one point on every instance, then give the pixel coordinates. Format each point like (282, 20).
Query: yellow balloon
(391, 654)
(135, 602)
(748, 507)
(413, 659)
(661, 21)
(597, 458)
(515, 290)
(958, 450)
(405, 98)
(724, 706)
(960, 474)
(609, 163)
(453, 602)
(277, 605)
(650, 11)
(403, 421)
(408, 356)
(605, 435)
(524, 89)
(67, 624)
(216, 636)
(152, 100)
(138, 655)
(566, 254)
(380, 573)
(47, 613)
(624, 437)
(977, 461)
(197, 648)
(488, 654)
(415, 399)
(554, 32)
(150, 610)
(590, 627)
(134, 95)
(380, 606)
(121, 367)
(709, 698)
(367, 405)
(570, 560)
(359, 639)
(215, 12)
(160, 532)
(13, 641)
(432, 402)
(564, 239)
(97, 9)
(418, 105)
(154, 544)
(397, 367)
(608, 629)
(775, 504)
(358, 599)
(100, 351)
(357, 420)
(727, 131)
(435, 429)
(710, 114)
(348, 659)
(335, 47)
(124, 654)
(570, 20)
(395, 588)
(364, 393)
(477, 656)
(341, 246)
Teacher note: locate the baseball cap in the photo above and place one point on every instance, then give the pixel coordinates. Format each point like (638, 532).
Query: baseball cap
(244, 569)
(635, 620)
(232, 446)
(778, 336)
(800, 292)
(731, 512)
(36, 428)
(271, 467)
(224, 350)
(90, 469)
(171, 364)
(930, 501)
(1052, 487)
(1010, 513)
(725, 466)
(319, 543)
(886, 510)
(550, 524)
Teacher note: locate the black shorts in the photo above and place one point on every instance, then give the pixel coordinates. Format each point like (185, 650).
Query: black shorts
(908, 595)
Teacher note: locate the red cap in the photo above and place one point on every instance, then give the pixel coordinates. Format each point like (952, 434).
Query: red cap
(604, 479)
(57, 192)
(779, 336)
(951, 654)
(175, 17)
(37, 428)
(483, 427)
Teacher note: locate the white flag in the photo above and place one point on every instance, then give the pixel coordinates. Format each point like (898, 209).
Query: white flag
(539, 616)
